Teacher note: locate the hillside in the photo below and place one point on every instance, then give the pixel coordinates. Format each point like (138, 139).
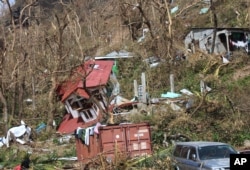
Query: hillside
(58, 36)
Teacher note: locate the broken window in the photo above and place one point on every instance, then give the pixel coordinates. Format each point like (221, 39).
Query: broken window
(238, 40)
(79, 103)
(223, 39)
(74, 104)
(67, 108)
(97, 94)
(95, 108)
(109, 89)
(88, 115)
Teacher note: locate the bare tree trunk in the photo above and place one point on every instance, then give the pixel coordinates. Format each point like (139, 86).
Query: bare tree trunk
(14, 96)
(2, 97)
(215, 25)
(33, 93)
(20, 97)
(5, 109)
(52, 102)
(169, 47)
(60, 55)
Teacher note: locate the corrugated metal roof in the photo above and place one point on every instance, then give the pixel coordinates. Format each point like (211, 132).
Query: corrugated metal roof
(115, 54)
(97, 73)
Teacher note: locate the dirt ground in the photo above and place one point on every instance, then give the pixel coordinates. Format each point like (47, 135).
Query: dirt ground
(245, 71)
(43, 151)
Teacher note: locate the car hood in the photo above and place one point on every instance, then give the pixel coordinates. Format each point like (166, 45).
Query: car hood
(224, 162)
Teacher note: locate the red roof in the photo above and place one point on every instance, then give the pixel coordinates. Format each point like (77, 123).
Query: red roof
(69, 124)
(97, 73)
(82, 92)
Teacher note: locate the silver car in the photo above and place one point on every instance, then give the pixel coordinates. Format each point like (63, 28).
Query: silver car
(200, 155)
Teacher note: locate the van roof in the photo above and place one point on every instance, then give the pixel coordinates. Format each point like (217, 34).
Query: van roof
(200, 143)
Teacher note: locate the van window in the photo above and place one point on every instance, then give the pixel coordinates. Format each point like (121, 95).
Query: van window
(184, 152)
(215, 152)
(192, 151)
(177, 150)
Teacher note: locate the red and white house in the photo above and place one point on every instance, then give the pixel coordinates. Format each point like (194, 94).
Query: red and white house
(85, 94)
(90, 91)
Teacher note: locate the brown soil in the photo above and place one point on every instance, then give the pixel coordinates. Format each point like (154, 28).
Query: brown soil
(244, 72)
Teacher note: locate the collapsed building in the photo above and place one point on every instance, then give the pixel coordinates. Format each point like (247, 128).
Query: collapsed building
(91, 92)
(85, 94)
(221, 41)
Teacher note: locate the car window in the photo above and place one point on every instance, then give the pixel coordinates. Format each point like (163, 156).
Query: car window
(192, 151)
(184, 152)
(177, 150)
(215, 152)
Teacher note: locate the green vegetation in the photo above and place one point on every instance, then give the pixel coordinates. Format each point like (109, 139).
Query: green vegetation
(35, 59)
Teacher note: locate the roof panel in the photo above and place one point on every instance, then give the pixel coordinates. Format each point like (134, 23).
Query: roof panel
(82, 92)
(97, 72)
(69, 124)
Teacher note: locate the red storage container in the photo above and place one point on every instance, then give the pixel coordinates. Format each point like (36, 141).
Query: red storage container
(128, 139)
(138, 140)
(86, 152)
(112, 138)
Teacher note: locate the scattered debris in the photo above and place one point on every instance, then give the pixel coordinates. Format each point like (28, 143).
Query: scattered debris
(204, 10)
(28, 101)
(121, 106)
(40, 127)
(226, 40)
(65, 139)
(174, 106)
(115, 55)
(187, 92)
(20, 134)
(204, 87)
(2, 141)
(224, 60)
(143, 35)
(67, 159)
(154, 100)
(174, 10)
(170, 95)
(153, 61)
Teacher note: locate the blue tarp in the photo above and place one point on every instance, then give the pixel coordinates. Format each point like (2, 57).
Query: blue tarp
(170, 95)
(204, 10)
(40, 127)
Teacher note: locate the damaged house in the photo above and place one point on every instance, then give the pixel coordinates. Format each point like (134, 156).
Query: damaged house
(226, 41)
(85, 95)
(90, 93)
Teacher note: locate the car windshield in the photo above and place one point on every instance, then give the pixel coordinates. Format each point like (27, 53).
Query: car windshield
(215, 152)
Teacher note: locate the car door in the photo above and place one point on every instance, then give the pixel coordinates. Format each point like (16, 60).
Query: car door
(182, 161)
(176, 155)
(192, 164)
(183, 157)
